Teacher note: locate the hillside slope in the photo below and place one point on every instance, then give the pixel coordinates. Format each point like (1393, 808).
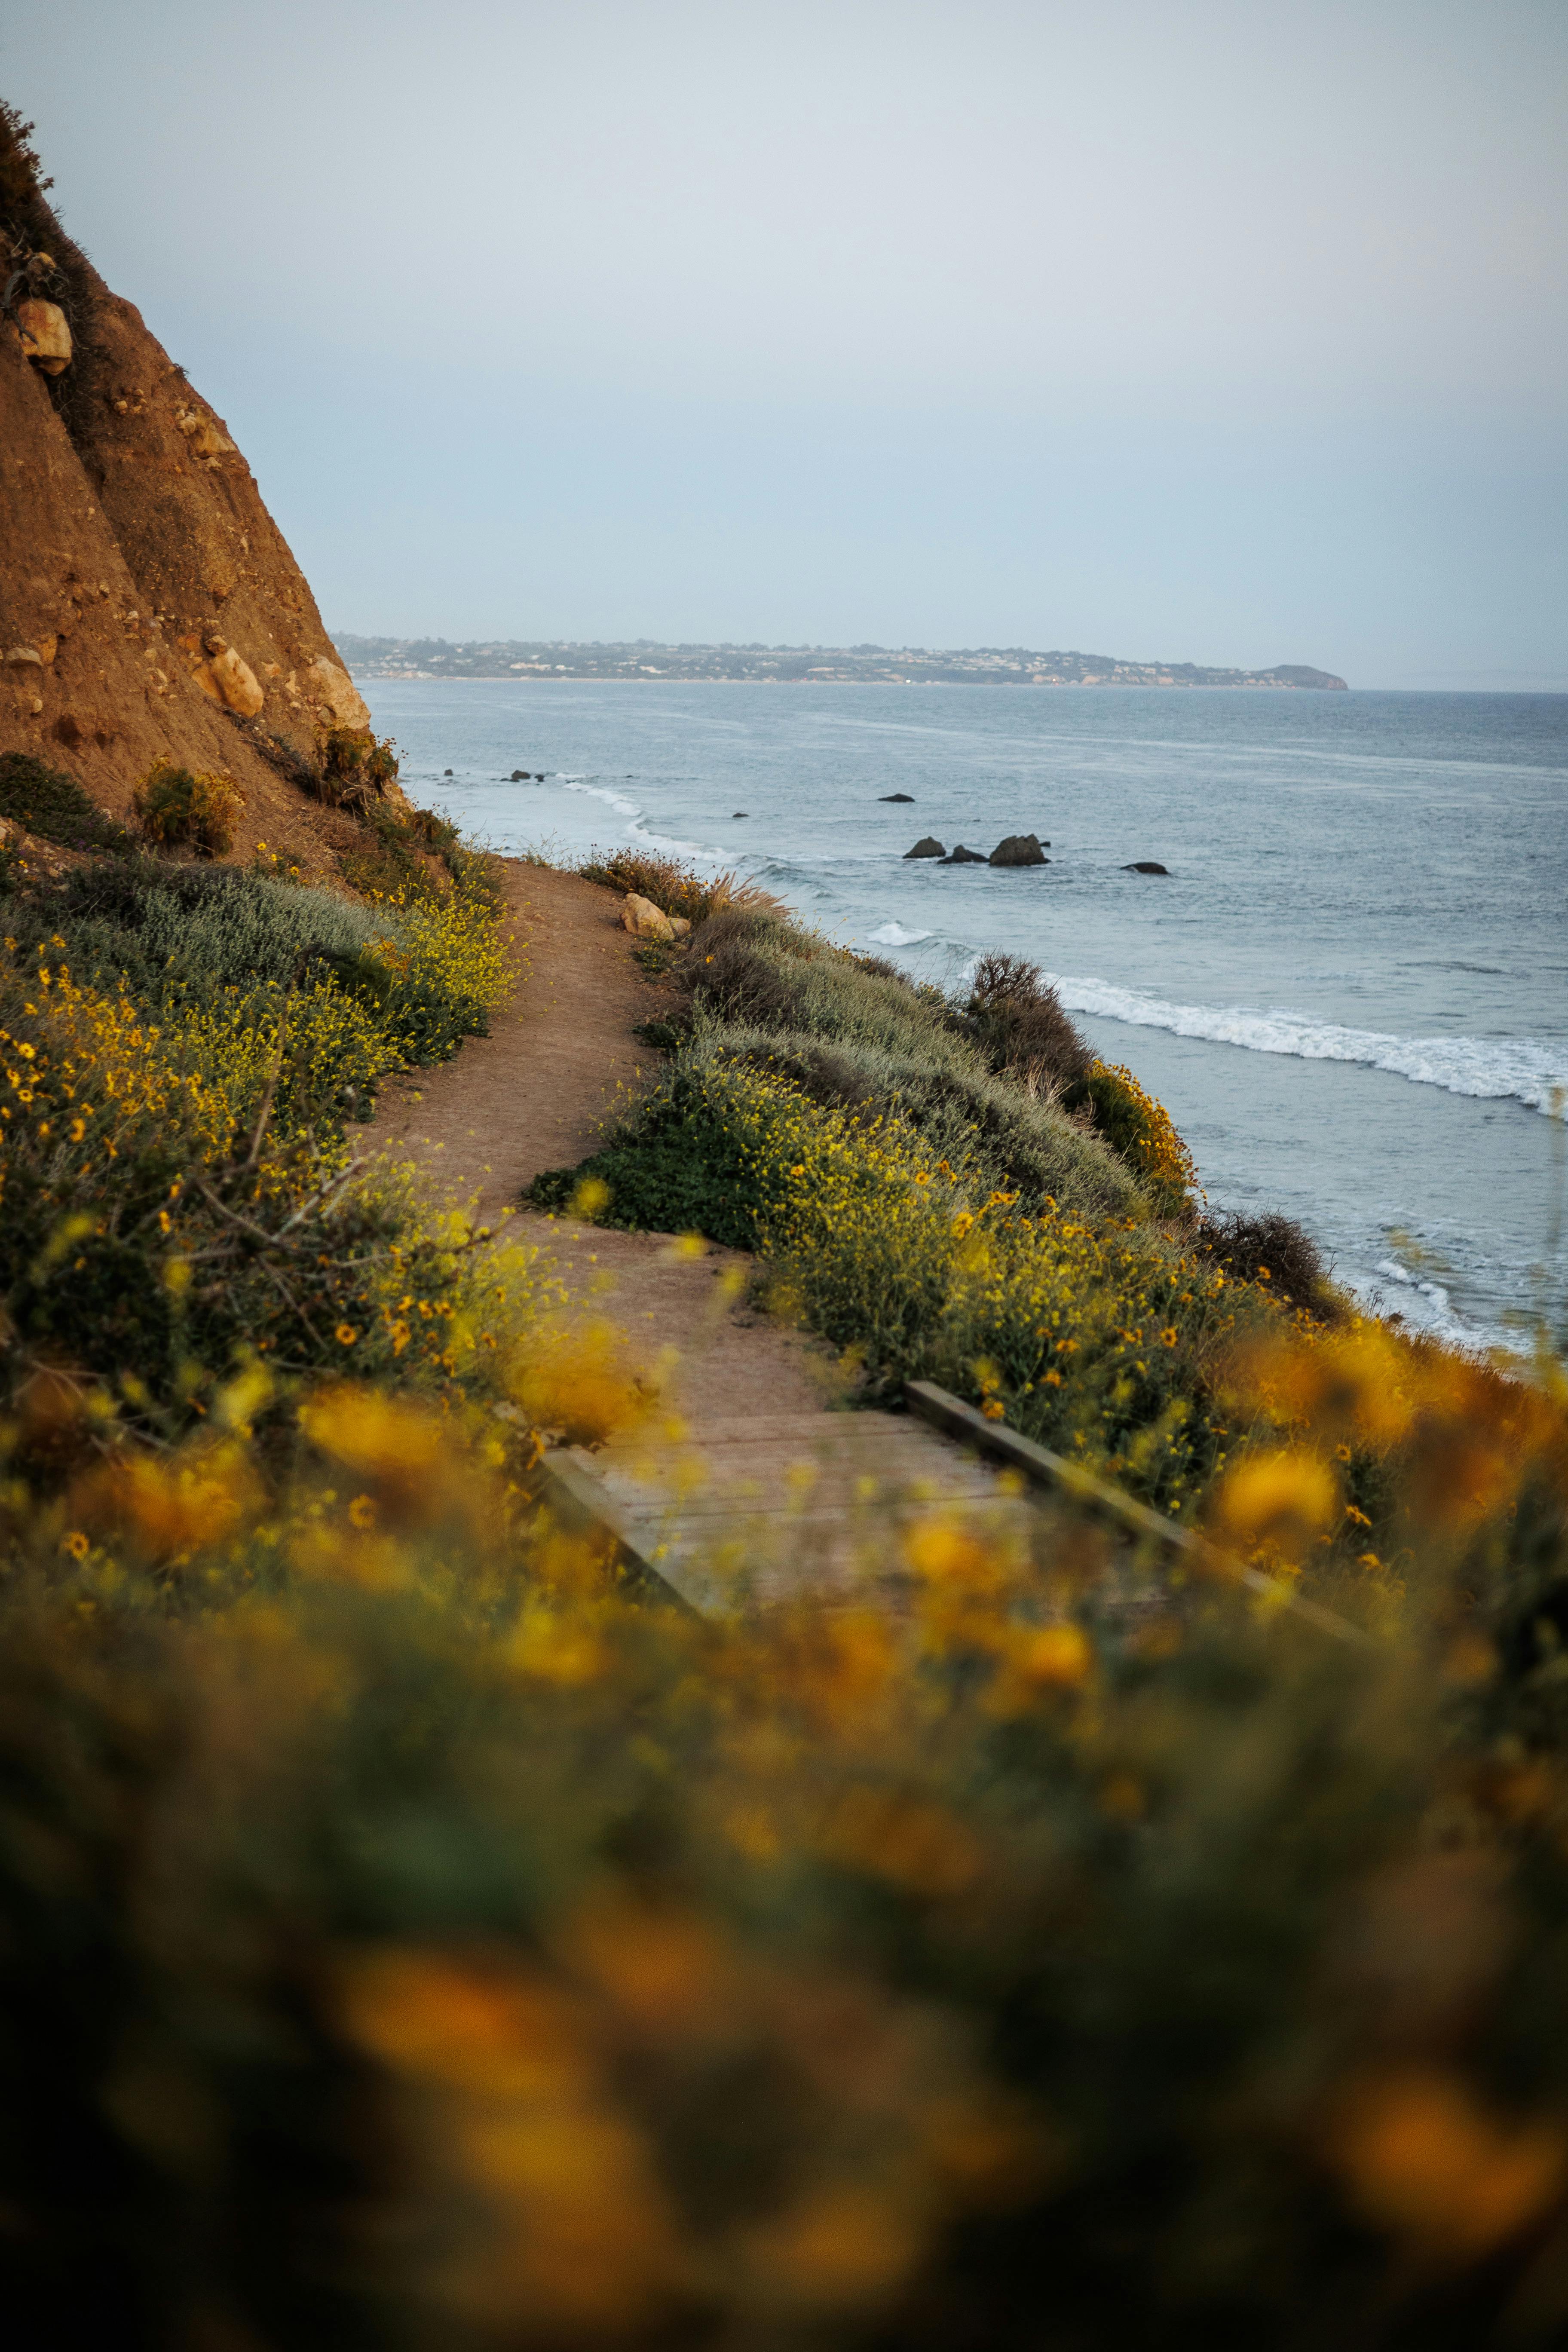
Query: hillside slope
(149, 607)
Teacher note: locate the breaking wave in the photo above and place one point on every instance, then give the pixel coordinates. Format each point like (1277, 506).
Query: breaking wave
(893, 935)
(632, 811)
(1530, 1070)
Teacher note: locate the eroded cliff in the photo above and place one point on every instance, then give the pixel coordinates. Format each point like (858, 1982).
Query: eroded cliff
(149, 607)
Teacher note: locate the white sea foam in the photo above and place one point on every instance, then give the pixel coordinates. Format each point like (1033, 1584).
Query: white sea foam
(1427, 1306)
(893, 935)
(605, 793)
(1530, 1069)
(666, 842)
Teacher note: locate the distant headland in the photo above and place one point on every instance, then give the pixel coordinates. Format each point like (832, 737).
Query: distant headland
(796, 665)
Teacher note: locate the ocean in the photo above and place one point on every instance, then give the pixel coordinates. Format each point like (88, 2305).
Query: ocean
(1350, 989)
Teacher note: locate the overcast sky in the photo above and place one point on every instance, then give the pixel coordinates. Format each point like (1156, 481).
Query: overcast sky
(1220, 330)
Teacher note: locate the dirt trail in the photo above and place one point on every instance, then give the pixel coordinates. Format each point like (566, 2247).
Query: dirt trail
(536, 1094)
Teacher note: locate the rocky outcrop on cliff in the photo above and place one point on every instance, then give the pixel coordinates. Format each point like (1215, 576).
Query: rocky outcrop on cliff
(150, 608)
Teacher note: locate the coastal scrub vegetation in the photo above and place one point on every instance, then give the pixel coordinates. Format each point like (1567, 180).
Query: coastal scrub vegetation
(675, 887)
(181, 1047)
(45, 801)
(188, 807)
(413, 1939)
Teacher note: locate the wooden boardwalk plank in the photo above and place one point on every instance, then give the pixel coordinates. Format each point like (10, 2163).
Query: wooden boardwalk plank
(784, 1506)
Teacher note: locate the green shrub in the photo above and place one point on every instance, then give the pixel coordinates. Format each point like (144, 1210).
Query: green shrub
(55, 807)
(1094, 1336)
(1142, 1131)
(159, 1149)
(356, 768)
(1021, 1025)
(222, 924)
(178, 934)
(857, 1034)
(179, 805)
(1271, 1250)
(391, 859)
(410, 1943)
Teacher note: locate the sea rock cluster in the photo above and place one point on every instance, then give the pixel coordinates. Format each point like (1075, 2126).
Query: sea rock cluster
(1019, 849)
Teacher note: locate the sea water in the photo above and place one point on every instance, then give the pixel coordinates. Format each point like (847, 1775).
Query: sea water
(1350, 989)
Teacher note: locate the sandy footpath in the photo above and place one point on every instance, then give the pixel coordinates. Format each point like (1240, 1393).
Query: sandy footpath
(537, 1093)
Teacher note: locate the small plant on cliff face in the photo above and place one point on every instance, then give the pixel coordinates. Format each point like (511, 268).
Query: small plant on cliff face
(179, 804)
(19, 166)
(356, 767)
(53, 806)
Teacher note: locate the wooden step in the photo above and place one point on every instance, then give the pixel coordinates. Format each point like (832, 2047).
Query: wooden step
(784, 1506)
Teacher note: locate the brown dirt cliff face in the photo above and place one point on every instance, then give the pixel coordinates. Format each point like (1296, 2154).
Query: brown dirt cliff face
(149, 607)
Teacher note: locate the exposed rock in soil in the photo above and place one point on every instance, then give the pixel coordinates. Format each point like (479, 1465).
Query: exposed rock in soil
(231, 681)
(644, 920)
(46, 336)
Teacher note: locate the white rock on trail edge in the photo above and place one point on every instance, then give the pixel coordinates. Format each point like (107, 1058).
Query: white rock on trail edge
(644, 921)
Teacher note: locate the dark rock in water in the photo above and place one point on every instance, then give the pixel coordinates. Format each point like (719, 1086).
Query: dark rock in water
(897, 796)
(1145, 866)
(735, 813)
(1019, 849)
(520, 776)
(928, 847)
(445, 772)
(961, 857)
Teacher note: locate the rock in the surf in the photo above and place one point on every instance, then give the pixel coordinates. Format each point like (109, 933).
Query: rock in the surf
(1019, 849)
(908, 797)
(930, 846)
(1145, 866)
(961, 857)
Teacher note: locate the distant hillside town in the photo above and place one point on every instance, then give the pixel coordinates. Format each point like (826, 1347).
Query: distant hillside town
(795, 665)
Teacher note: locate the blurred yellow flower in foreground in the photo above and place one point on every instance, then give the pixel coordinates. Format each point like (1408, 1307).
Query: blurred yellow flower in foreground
(551, 2214)
(167, 1507)
(841, 2245)
(576, 1378)
(906, 1839)
(371, 1432)
(945, 1553)
(1283, 1497)
(1419, 2155)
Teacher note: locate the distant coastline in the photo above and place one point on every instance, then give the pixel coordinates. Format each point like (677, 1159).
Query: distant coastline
(433, 657)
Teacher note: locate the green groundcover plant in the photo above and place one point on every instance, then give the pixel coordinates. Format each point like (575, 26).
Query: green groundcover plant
(179, 1049)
